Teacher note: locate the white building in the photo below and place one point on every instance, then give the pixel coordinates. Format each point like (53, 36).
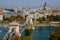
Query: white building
(33, 16)
(36, 15)
(1, 15)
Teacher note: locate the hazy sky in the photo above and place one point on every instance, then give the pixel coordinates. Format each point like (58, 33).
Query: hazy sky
(28, 3)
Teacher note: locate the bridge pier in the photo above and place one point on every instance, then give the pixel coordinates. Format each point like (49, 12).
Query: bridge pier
(31, 27)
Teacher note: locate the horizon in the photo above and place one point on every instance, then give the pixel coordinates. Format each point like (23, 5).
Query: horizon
(28, 3)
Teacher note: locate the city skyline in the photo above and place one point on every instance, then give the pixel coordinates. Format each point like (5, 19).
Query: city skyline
(28, 3)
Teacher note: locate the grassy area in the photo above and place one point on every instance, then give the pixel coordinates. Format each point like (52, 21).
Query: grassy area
(28, 38)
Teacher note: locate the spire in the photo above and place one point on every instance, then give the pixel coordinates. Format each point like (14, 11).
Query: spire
(44, 8)
(45, 4)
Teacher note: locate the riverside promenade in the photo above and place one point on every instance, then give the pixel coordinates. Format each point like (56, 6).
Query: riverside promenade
(51, 23)
(47, 24)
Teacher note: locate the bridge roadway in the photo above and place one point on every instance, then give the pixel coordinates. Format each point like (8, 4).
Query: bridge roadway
(21, 29)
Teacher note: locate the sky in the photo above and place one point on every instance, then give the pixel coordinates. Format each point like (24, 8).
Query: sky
(28, 3)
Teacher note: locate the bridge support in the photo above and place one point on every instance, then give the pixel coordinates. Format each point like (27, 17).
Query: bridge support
(31, 27)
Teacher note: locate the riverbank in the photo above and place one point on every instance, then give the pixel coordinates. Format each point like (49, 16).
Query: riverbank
(47, 24)
(55, 24)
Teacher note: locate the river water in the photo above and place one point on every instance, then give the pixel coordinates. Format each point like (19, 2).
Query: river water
(40, 33)
(43, 33)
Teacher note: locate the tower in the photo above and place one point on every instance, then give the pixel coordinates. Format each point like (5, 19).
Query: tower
(46, 7)
(13, 31)
(14, 25)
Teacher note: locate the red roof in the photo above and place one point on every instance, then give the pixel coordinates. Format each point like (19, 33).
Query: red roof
(1, 13)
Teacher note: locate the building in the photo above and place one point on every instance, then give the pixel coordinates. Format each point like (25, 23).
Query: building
(1, 15)
(34, 16)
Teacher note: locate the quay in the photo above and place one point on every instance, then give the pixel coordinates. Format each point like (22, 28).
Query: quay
(47, 24)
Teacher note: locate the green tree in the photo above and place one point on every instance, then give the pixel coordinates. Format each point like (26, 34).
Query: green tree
(19, 16)
(40, 20)
(6, 18)
(43, 18)
(59, 18)
(56, 17)
(12, 18)
(55, 36)
(51, 18)
(48, 18)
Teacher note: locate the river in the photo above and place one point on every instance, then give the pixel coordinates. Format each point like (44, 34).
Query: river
(40, 33)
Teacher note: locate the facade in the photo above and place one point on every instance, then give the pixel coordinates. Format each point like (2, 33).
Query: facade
(33, 16)
(1, 15)
(9, 14)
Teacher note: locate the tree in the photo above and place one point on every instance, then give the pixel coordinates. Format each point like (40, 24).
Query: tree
(20, 19)
(55, 36)
(40, 19)
(16, 37)
(12, 18)
(48, 18)
(6, 18)
(19, 16)
(59, 18)
(43, 18)
(51, 18)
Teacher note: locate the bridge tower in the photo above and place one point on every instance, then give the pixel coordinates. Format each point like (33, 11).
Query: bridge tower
(14, 27)
(13, 31)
